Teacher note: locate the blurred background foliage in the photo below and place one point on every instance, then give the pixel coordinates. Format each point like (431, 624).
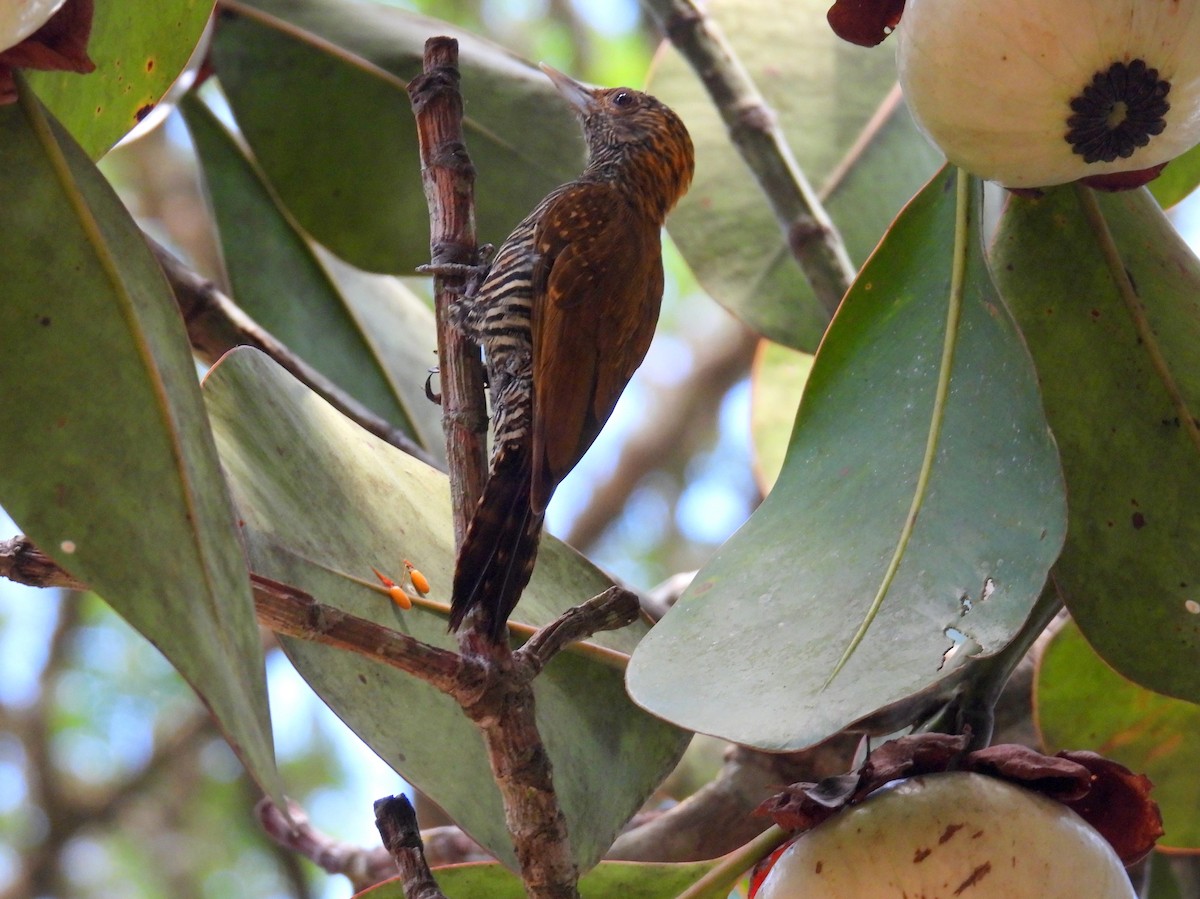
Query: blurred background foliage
(113, 779)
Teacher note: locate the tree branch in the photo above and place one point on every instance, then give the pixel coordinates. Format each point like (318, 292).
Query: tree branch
(397, 823)
(754, 130)
(290, 611)
(615, 608)
(748, 776)
(363, 867)
(504, 711)
(216, 325)
(449, 179)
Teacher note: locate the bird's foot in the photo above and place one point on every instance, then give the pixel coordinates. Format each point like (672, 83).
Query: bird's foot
(470, 274)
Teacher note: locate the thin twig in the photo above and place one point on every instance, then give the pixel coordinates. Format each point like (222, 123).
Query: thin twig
(290, 611)
(396, 820)
(216, 325)
(754, 130)
(23, 563)
(615, 608)
(364, 867)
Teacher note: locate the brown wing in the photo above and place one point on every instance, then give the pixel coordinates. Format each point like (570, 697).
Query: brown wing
(597, 287)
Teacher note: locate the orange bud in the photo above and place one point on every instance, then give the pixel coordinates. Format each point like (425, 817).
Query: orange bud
(418, 580)
(399, 597)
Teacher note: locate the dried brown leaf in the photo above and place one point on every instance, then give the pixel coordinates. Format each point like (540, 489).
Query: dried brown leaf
(802, 806)
(1055, 777)
(910, 756)
(1119, 806)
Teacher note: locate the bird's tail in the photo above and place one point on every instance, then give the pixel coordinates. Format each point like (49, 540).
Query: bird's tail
(496, 558)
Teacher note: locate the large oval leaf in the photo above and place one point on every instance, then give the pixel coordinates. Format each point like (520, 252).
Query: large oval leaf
(322, 502)
(329, 78)
(109, 464)
(724, 226)
(139, 49)
(1084, 704)
(278, 276)
(747, 652)
(1123, 406)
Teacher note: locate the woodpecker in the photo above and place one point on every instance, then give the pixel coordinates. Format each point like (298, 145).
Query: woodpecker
(565, 316)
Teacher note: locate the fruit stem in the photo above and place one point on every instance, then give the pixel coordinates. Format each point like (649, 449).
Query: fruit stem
(721, 879)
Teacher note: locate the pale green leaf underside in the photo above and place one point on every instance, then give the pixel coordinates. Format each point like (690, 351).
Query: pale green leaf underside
(367, 333)
(330, 77)
(322, 501)
(627, 880)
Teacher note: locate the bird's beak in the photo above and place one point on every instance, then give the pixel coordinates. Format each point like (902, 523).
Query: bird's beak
(580, 97)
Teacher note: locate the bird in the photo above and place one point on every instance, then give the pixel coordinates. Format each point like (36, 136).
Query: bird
(564, 316)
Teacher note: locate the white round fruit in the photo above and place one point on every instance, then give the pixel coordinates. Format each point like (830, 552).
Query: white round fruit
(950, 836)
(21, 18)
(1033, 93)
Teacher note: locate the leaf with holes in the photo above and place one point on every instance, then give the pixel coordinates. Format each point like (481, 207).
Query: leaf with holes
(747, 651)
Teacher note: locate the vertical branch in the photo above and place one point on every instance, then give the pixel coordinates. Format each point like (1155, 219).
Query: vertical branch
(754, 130)
(449, 180)
(504, 712)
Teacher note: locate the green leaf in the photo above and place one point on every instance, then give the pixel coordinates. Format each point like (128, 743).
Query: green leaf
(109, 465)
(724, 226)
(1081, 703)
(778, 378)
(322, 502)
(330, 78)
(139, 49)
(1179, 178)
(1128, 572)
(279, 278)
(795, 582)
(628, 880)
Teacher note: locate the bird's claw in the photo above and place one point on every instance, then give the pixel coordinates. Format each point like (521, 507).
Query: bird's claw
(435, 398)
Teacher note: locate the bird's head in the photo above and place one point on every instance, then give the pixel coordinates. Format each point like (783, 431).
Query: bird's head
(634, 135)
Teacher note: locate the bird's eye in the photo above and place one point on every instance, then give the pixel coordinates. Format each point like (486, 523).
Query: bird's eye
(623, 98)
